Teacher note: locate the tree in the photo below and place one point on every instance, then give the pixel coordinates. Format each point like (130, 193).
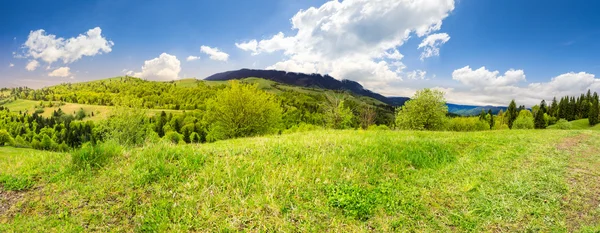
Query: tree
(512, 113)
(482, 115)
(491, 118)
(425, 111)
(552, 111)
(593, 113)
(80, 114)
(339, 117)
(242, 110)
(539, 121)
(367, 116)
(5, 137)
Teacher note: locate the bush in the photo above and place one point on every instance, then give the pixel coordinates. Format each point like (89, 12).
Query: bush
(127, 127)
(523, 123)
(174, 137)
(467, 124)
(19, 142)
(242, 110)
(379, 127)
(563, 124)
(95, 156)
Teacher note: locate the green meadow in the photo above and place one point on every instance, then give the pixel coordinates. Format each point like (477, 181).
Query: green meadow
(318, 181)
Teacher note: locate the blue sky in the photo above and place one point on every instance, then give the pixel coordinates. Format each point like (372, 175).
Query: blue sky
(539, 49)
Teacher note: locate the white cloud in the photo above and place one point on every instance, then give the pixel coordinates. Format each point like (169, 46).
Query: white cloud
(32, 65)
(166, 67)
(192, 58)
(50, 49)
(353, 39)
(214, 53)
(416, 74)
(484, 87)
(482, 77)
(431, 45)
(11, 65)
(60, 72)
(248, 46)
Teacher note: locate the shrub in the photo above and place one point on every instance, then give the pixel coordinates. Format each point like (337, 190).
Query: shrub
(242, 110)
(563, 124)
(173, 137)
(467, 124)
(5, 137)
(524, 121)
(94, 156)
(127, 127)
(379, 127)
(19, 142)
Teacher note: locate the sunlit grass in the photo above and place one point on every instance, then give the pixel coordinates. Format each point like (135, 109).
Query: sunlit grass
(341, 181)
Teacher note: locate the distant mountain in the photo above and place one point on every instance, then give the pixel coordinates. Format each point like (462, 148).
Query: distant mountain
(471, 110)
(306, 80)
(328, 82)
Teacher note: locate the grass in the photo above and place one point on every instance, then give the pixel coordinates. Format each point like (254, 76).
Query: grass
(100, 112)
(341, 181)
(582, 124)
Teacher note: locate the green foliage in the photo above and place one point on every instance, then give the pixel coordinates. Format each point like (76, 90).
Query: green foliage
(467, 124)
(95, 156)
(425, 111)
(80, 114)
(242, 110)
(339, 116)
(5, 137)
(174, 137)
(379, 128)
(562, 124)
(511, 113)
(524, 121)
(126, 126)
(594, 112)
(540, 119)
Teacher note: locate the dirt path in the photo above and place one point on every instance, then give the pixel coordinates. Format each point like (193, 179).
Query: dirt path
(582, 202)
(8, 199)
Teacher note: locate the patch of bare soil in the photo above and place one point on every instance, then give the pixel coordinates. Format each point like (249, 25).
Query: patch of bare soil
(582, 202)
(8, 199)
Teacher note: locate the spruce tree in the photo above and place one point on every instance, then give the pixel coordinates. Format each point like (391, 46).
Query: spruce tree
(539, 121)
(512, 113)
(553, 108)
(594, 111)
(491, 118)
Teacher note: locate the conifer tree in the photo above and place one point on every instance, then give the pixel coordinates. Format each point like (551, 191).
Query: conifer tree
(539, 121)
(512, 113)
(491, 118)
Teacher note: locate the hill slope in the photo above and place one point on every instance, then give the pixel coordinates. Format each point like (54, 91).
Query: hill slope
(304, 80)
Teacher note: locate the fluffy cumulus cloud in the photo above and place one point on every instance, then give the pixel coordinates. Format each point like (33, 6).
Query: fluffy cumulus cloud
(482, 77)
(214, 53)
(431, 45)
(485, 87)
(50, 48)
(166, 67)
(32, 65)
(354, 39)
(11, 65)
(192, 58)
(61, 72)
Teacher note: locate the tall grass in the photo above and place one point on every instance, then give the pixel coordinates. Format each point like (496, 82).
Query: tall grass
(90, 156)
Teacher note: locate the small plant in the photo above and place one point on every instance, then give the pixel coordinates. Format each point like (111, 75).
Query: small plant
(174, 137)
(94, 156)
(354, 201)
